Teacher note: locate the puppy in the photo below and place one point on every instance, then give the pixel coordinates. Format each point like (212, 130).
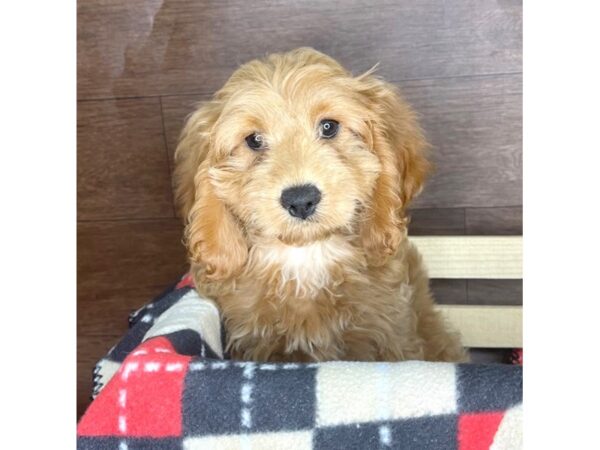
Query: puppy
(293, 182)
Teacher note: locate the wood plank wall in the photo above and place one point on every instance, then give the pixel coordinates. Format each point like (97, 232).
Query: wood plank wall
(142, 64)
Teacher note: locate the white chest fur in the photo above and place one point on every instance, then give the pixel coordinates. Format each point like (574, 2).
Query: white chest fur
(309, 267)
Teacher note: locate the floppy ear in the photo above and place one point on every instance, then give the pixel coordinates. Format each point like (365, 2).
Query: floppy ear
(213, 238)
(401, 147)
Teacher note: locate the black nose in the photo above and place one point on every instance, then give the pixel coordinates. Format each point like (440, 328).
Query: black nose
(301, 201)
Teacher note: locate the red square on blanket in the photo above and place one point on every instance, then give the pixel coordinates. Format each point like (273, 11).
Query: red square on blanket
(476, 431)
(144, 397)
(186, 281)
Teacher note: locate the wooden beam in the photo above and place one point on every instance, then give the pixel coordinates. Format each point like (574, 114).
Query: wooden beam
(491, 257)
(487, 326)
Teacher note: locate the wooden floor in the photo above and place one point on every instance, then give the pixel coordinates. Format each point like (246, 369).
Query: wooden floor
(143, 64)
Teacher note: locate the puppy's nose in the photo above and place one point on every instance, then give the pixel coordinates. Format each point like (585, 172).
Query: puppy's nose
(301, 201)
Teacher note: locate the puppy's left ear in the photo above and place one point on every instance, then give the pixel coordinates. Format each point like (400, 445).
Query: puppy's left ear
(399, 143)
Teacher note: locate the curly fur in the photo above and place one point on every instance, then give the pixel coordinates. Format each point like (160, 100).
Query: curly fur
(345, 284)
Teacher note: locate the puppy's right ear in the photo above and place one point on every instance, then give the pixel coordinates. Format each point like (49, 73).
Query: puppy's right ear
(192, 150)
(212, 236)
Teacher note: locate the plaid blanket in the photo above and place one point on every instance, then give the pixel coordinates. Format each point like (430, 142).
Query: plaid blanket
(168, 384)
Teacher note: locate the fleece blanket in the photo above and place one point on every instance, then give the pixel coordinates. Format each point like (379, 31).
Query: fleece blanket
(168, 384)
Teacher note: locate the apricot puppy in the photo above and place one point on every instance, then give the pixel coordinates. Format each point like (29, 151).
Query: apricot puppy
(294, 181)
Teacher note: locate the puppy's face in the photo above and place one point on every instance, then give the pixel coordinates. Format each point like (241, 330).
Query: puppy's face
(295, 149)
(292, 158)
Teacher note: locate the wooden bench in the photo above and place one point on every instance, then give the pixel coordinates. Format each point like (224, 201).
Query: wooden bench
(483, 257)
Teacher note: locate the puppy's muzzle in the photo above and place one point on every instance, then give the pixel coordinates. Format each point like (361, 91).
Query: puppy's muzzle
(301, 201)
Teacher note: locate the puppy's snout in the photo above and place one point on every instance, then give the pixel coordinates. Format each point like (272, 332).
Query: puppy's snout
(301, 201)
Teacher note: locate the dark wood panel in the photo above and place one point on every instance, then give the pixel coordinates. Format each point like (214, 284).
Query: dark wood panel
(101, 322)
(129, 254)
(122, 162)
(475, 128)
(143, 47)
(449, 292)
(121, 265)
(437, 222)
(104, 310)
(89, 350)
(495, 292)
(489, 355)
(477, 292)
(495, 221)
(470, 221)
(176, 109)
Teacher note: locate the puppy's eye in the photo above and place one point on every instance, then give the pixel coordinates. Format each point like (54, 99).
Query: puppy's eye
(256, 141)
(328, 128)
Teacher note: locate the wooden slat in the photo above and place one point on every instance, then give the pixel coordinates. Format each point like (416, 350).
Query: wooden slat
(471, 256)
(487, 326)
